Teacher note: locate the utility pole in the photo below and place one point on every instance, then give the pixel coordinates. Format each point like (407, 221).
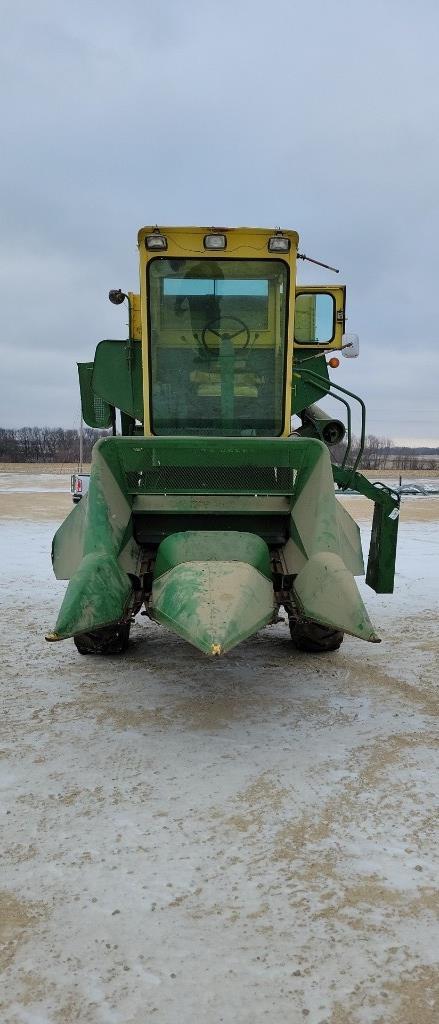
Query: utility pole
(81, 445)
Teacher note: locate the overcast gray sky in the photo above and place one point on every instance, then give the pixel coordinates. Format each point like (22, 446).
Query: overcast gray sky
(317, 116)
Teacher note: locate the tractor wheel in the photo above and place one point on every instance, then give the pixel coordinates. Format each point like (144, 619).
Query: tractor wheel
(109, 640)
(310, 636)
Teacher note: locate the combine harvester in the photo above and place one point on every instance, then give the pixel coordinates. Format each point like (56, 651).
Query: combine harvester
(206, 509)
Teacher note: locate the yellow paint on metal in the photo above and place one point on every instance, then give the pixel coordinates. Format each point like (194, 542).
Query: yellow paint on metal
(339, 295)
(135, 316)
(216, 649)
(242, 243)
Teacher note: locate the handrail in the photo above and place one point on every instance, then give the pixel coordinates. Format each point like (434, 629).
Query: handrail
(327, 385)
(349, 419)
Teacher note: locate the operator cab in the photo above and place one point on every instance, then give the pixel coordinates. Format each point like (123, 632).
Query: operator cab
(217, 345)
(215, 306)
(217, 326)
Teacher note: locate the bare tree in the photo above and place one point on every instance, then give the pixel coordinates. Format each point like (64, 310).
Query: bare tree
(46, 444)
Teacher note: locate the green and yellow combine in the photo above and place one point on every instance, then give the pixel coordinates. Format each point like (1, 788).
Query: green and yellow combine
(208, 508)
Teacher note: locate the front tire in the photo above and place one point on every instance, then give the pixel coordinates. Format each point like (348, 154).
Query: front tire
(314, 638)
(108, 640)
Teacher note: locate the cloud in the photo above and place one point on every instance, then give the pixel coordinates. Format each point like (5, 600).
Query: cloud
(318, 118)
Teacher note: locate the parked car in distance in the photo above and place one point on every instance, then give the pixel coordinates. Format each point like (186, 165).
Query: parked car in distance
(79, 485)
(412, 488)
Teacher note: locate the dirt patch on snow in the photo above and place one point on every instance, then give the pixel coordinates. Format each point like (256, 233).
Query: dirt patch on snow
(412, 509)
(17, 917)
(35, 508)
(42, 467)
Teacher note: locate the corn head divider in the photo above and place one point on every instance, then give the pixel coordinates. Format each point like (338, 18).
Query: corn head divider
(206, 511)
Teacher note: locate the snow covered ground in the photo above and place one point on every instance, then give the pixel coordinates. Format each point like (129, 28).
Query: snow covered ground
(246, 840)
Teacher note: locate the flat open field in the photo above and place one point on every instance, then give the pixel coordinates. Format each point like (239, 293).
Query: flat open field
(246, 840)
(71, 467)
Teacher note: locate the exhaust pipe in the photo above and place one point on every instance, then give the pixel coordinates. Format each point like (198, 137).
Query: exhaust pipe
(317, 423)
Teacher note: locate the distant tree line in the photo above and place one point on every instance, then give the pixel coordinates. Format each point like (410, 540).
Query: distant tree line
(54, 444)
(382, 453)
(46, 444)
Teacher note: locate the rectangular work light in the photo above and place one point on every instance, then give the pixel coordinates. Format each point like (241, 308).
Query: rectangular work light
(216, 241)
(278, 243)
(156, 241)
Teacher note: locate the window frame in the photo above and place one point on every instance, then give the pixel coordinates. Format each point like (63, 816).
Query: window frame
(217, 259)
(317, 344)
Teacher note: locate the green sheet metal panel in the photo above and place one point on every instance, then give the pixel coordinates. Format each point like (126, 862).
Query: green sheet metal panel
(213, 604)
(96, 411)
(209, 546)
(306, 393)
(200, 465)
(117, 375)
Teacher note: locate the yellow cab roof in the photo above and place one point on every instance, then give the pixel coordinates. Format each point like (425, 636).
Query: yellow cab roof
(240, 241)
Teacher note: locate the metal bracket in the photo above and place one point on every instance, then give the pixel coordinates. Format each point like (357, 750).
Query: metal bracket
(380, 574)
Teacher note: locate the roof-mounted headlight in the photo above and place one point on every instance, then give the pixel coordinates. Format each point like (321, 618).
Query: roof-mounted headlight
(215, 241)
(156, 241)
(279, 243)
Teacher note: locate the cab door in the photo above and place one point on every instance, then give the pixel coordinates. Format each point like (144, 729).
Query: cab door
(319, 317)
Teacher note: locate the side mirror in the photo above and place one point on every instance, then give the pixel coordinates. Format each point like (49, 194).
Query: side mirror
(350, 346)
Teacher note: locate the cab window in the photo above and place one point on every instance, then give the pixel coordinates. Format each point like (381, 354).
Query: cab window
(217, 345)
(314, 318)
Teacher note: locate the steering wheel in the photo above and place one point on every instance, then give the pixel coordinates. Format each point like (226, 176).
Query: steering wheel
(223, 334)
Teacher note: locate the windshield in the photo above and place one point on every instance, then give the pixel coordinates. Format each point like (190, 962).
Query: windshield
(217, 336)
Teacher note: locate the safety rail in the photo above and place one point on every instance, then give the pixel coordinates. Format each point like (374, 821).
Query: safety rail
(327, 386)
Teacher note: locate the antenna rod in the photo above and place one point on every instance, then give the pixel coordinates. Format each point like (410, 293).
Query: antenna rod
(301, 256)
